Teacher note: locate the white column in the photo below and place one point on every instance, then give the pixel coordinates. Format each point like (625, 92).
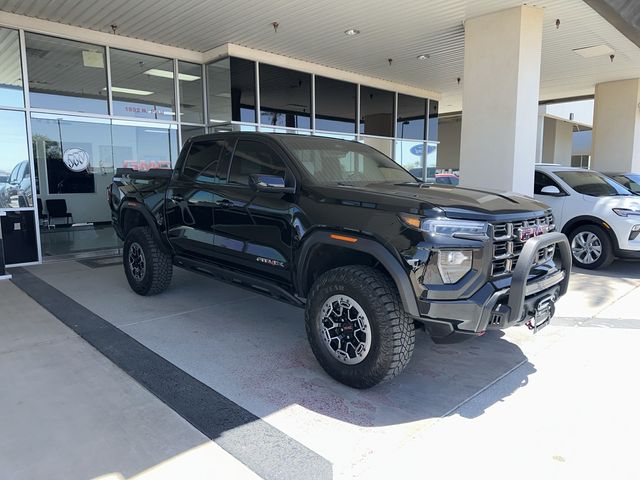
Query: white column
(616, 127)
(500, 99)
(557, 141)
(540, 138)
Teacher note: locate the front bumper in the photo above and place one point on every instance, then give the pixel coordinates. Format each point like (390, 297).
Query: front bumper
(493, 307)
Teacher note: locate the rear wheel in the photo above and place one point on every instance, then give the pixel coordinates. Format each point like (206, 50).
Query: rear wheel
(357, 327)
(147, 267)
(591, 247)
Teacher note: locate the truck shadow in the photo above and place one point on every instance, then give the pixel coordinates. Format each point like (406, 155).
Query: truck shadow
(440, 381)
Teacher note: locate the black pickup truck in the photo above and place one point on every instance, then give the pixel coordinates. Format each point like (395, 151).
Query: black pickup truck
(341, 230)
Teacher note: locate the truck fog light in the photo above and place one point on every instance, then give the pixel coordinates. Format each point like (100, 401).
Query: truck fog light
(454, 264)
(635, 228)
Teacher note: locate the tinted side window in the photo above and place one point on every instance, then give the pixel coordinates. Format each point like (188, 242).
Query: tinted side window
(541, 181)
(624, 181)
(254, 158)
(202, 161)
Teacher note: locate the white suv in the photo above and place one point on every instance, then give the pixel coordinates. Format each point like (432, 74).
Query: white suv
(600, 217)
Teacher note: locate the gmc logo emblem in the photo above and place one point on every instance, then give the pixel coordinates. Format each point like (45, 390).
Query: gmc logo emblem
(525, 233)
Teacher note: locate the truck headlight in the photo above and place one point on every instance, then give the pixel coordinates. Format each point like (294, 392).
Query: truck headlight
(454, 264)
(445, 226)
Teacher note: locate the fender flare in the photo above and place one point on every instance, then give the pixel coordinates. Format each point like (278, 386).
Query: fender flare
(363, 244)
(151, 222)
(570, 225)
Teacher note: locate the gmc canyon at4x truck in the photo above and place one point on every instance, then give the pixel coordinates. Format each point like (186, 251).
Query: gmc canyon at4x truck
(338, 228)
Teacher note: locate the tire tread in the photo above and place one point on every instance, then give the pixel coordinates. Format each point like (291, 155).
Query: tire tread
(399, 331)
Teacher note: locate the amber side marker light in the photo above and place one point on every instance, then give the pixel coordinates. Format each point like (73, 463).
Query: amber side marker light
(411, 220)
(344, 238)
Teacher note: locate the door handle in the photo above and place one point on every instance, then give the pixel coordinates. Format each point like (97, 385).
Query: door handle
(224, 203)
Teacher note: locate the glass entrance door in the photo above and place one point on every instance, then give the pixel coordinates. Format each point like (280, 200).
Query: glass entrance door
(74, 161)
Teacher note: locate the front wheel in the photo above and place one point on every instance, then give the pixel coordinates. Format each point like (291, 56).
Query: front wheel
(591, 247)
(147, 267)
(357, 328)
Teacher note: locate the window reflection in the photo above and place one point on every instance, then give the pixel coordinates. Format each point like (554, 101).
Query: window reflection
(187, 132)
(15, 170)
(412, 113)
(383, 145)
(335, 105)
(376, 112)
(285, 97)
(232, 87)
(73, 155)
(11, 72)
(143, 146)
(142, 85)
(410, 154)
(433, 120)
(191, 101)
(66, 75)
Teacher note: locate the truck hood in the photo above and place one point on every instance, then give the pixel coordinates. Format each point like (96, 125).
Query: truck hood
(455, 202)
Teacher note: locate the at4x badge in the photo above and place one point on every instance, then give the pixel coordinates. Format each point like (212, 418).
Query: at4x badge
(269, 261)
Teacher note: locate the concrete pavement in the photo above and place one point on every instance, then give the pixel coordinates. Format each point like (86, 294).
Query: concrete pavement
(559, 404)
(69, 413)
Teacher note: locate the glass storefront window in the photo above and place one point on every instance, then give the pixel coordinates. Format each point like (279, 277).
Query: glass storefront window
(383, 145)
(191, 101)
(232, 91)
(66, 75)
(219, 90)
(432, 158)
(142, 85)
(73, 156)
(433, 120)
(411, 117)
(410, 154)
(143, 146)
(350, 138)
(11, 94)
(335, 105)
(188, 131)
(376, 112)
(15, 169)
(285, 97)
(268, 129)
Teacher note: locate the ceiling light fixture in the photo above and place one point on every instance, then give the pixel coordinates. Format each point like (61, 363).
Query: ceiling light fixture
(156, 72)
(130, 91)
(595, 51)
(423, 57)
(352, 32)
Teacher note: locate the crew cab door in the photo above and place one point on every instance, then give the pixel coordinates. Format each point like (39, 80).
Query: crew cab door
(190, 199)
(253, 230)
(555, 200)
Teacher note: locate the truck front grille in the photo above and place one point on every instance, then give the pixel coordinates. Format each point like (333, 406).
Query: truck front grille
(507, 245)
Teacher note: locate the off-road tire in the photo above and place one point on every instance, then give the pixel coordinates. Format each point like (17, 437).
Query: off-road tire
(606, 257)
(158, 264)
(393, 331)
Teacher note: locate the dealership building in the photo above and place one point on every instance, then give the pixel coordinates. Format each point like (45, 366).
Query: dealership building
(483, 88)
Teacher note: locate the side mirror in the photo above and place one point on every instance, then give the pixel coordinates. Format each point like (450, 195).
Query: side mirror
(269, 184)
(550, 190)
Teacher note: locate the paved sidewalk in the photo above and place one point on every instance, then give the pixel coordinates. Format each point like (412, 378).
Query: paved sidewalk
(66, 412)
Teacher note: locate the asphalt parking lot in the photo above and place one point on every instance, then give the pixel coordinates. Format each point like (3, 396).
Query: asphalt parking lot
(236, 366)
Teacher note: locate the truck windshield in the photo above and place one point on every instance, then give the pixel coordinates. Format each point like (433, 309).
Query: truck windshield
(331, 161)
(591, 183)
